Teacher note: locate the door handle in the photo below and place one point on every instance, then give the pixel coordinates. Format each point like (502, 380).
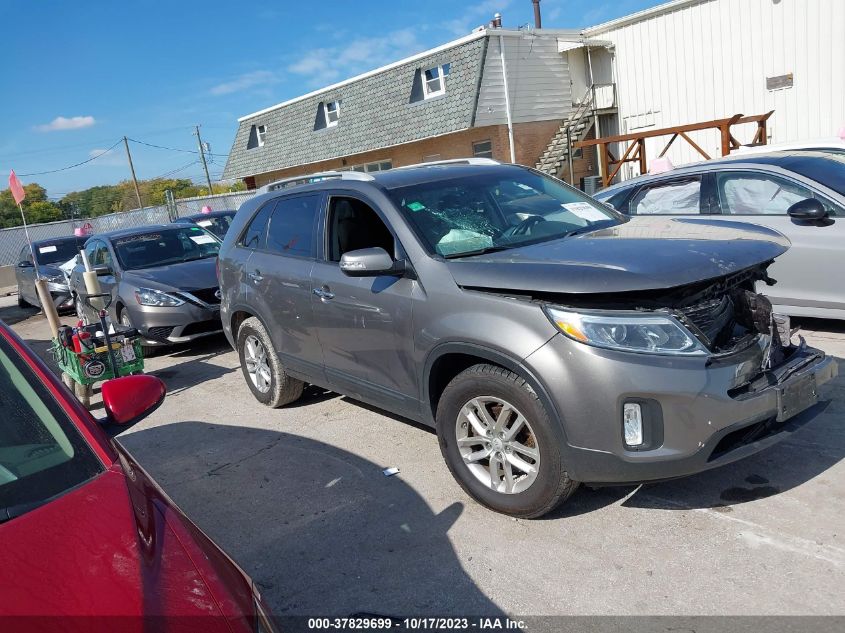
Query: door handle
(323, 293)
(256, 276)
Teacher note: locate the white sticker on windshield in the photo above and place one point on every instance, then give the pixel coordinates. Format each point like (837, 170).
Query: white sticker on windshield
(202, 239)
(205, 223)
(47, 249)
(585, 211)
(522, 186)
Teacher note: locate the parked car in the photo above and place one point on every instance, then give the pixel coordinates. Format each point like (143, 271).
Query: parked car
(79, 515)
(49, 255)
(547, 338)
(162, 280)
(800, 193)
(215, 222)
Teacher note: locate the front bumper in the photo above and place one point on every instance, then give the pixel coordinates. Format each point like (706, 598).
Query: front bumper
(181, 324)
(61, 295)
(707, 411)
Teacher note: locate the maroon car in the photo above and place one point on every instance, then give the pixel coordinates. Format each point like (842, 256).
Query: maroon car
(85, 533)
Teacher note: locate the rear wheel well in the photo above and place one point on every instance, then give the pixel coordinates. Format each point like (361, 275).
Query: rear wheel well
(238, 318)
(445, 368)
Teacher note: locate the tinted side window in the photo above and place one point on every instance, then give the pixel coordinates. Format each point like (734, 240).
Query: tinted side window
(256, 232)
(291, 229)
(748, 193)
(678, 197)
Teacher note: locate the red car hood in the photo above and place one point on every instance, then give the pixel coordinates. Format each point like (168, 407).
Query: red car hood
(105, 549)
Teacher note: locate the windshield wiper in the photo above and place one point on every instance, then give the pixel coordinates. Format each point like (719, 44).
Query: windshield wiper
(480, 251)
(13, 512)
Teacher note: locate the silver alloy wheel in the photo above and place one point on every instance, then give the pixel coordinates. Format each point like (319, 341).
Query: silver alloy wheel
(497, 444)
(257, 366)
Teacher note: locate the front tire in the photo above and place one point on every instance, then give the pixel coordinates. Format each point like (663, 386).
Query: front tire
(262, 370)
(499, 443)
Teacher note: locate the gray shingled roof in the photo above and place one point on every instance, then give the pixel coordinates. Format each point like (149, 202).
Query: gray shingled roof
(375, 113)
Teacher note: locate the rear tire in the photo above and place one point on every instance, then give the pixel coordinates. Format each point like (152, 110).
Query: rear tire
(499, 443)
(262, 369)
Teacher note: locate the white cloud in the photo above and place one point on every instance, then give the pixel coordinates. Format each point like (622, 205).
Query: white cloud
(326, 65)
(245, 82)
(64, 123)
(477, 15)
(107, 156)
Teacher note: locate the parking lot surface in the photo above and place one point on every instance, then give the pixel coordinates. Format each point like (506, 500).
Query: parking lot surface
(298, 498)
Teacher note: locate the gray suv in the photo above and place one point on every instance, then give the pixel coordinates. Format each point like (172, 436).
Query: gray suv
(547, 338)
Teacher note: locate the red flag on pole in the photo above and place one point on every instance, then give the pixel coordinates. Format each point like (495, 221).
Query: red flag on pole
(17, 188)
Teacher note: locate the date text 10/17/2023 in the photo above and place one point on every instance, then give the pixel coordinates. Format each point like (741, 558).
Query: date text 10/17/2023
(374, 622)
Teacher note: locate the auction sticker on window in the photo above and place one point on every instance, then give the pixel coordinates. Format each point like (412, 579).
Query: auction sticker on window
(47, 249)
(585, 211)
(202, 239)
(205, 223)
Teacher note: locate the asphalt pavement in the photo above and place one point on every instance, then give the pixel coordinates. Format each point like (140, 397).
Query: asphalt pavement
(298, 498)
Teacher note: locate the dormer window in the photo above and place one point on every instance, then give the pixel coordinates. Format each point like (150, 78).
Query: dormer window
(257, 133)
(332, 113)
(434, 83)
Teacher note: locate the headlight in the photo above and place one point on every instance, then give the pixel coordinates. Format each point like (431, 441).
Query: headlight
(627, 331)
(150, 297)
(56, 278)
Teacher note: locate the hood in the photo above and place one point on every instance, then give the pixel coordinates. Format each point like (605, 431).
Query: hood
(50, 270)
(92, 552)
(641, 254)
(195, 275)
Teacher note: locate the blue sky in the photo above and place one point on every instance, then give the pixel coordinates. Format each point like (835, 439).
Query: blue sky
(78, 76)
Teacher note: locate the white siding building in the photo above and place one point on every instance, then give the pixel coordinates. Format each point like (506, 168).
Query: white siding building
(696, 60)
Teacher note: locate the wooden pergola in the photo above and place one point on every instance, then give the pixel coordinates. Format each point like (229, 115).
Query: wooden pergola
(635, 151)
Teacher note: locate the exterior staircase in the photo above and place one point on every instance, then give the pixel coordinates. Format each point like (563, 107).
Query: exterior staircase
(573, 129)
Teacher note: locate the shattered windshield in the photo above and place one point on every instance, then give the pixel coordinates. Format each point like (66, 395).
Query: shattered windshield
(497, 210)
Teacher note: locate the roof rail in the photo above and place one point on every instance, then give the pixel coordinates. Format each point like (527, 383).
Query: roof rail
(309, 178)
(454, 161)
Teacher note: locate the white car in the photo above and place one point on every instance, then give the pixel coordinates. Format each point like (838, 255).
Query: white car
(800, 193)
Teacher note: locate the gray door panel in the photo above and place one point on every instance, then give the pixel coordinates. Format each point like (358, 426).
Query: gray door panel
(365, 331)
(281, 294)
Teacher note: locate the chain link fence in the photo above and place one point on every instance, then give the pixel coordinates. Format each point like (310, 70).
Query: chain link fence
(13, 240)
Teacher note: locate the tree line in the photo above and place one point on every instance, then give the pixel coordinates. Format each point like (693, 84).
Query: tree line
(99, 200)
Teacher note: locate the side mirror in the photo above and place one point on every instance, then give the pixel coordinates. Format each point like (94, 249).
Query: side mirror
(370, 262)
(25, 264)
(102, 270)
(807, 210)
(132, 398)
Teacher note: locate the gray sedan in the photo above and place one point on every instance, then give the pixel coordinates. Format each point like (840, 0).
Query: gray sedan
(162, 280)
(49, 255)
(799, 193)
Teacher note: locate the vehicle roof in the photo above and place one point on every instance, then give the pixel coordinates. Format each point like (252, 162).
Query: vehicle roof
(419, 174)
(786, 159)
(210, 214)
(63, 238)
(135, 230)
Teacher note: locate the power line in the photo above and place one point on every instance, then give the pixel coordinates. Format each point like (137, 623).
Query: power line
(174, 149)
(53, 171)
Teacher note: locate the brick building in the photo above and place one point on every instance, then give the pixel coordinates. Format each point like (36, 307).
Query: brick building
(469, 97)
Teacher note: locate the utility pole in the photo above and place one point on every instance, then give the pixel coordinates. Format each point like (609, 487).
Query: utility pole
(202, 156)
(132, 169)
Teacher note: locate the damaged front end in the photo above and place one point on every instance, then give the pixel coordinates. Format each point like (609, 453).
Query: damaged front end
(725, 315)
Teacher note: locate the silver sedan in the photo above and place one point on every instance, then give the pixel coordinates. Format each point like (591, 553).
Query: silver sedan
(800, 193)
